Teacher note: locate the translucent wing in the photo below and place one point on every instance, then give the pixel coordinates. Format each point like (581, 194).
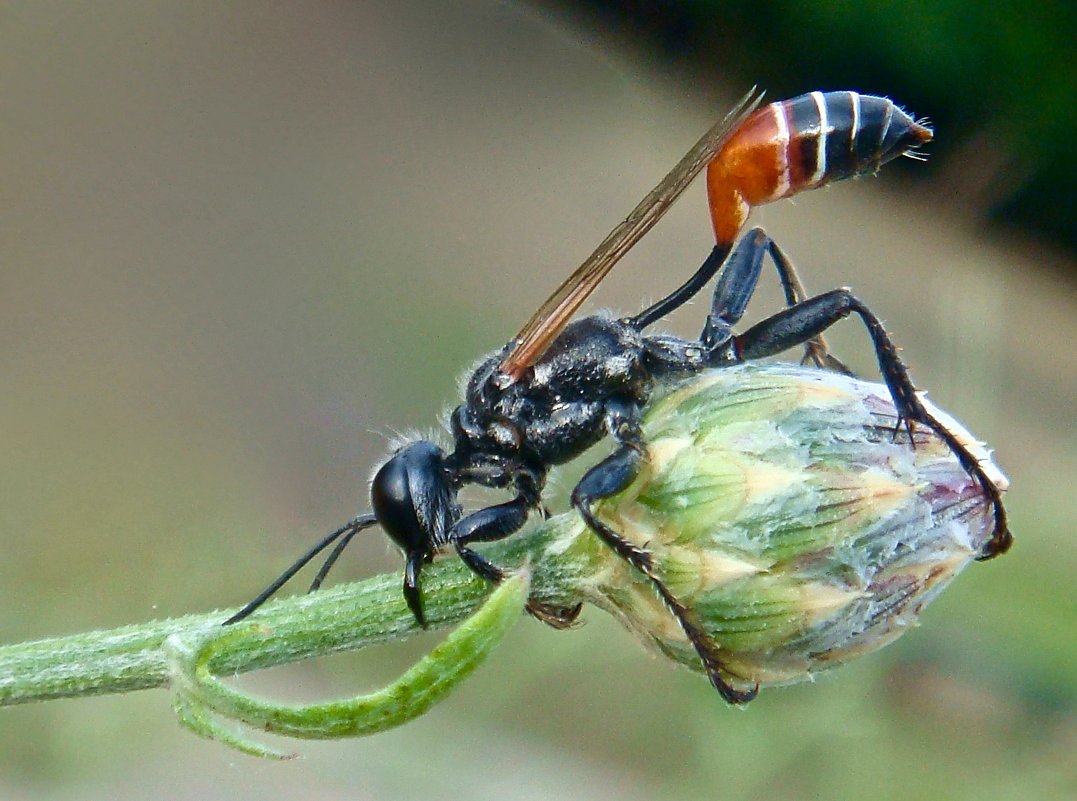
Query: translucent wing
(553, 315)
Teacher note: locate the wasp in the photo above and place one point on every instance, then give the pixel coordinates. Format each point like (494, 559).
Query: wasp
(560, 386)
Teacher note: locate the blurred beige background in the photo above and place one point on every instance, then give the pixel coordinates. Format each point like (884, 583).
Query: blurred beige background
(243, 244)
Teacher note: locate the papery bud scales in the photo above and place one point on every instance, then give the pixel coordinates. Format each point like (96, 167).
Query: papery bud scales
(781, 507)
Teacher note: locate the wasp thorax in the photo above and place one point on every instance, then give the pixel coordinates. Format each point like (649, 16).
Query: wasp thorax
(782, 510)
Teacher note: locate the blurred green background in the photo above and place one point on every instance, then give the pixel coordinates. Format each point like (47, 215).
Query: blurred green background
(1000, 77)
(245, 244)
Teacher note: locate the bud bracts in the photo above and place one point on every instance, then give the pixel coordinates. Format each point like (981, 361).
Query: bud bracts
(780, 506)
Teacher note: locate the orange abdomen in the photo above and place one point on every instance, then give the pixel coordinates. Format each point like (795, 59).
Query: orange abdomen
(793, 145)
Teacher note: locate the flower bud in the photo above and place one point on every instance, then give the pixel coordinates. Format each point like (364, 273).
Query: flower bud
(787, 509)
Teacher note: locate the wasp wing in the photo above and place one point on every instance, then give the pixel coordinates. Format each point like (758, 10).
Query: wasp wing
(553, 315)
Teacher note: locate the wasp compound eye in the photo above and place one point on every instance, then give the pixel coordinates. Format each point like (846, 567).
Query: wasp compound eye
(411, 497)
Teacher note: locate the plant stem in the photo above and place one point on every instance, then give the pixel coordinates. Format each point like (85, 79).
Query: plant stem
(342, 618)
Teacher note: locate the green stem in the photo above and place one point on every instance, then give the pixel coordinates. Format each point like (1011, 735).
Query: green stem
(342, 618)
(201, 699)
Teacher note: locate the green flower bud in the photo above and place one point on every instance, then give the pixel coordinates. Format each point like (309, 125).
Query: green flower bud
(786, 508)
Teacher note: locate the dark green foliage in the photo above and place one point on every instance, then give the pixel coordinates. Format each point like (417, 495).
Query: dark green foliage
(997, 81)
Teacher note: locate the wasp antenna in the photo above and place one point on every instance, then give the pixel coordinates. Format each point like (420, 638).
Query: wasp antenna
(348, 530)
(334, 554)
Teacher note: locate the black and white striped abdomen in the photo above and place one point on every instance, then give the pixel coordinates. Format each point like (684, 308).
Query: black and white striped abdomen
(834, 135)
(798, 144)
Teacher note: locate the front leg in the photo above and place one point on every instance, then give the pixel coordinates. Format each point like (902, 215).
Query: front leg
(612, 475)
(495, 523)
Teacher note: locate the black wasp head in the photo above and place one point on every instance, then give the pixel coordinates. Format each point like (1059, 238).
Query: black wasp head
(414, 499)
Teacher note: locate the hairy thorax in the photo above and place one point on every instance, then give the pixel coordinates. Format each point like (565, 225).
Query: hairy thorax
(557, 409)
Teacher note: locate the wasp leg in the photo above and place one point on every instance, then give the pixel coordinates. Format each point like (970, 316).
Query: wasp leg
(816, 350)
(495, 523)
(684, 293)
(737, 285)
(607, 478)
(740, 274)
(797, 324)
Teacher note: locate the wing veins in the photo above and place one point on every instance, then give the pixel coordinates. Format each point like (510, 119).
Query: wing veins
(553, 315)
